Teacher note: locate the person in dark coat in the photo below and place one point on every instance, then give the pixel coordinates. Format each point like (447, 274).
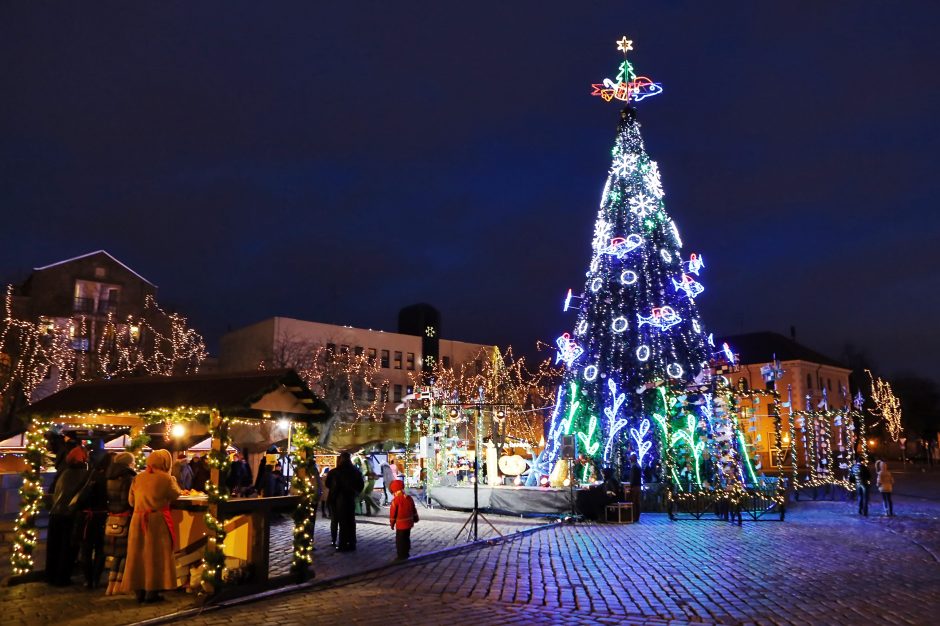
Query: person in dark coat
(120, 476)
(636, 486)
(61, 548)
(201, 473)
(239, 476)
(345, 484)
(93, 513)
(862, 476)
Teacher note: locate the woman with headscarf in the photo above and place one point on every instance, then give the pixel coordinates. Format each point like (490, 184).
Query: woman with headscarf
(94, 511)
(61, 549)
(150, 566)
(120, 476)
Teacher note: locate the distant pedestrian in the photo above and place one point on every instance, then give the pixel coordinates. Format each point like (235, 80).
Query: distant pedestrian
(345, 484)
(402, 517)
(93, 513)
(366, 498)
(886, 487)
(636, 486)
(201, 473)
(862, 476)
(151, 567)
(61, 548)
(120, 476)
(388, 475)
(182, 472)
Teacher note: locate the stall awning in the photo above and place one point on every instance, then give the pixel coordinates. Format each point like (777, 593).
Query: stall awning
(258, 394)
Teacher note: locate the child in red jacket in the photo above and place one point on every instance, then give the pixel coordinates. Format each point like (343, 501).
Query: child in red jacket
(402, 517)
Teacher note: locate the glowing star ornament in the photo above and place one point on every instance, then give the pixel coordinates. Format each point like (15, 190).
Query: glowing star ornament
(625, 45)
(663, 318)
(689, 286)
(622, 246)
(568, 349)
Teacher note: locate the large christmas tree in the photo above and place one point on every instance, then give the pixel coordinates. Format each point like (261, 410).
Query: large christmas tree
(637, 343)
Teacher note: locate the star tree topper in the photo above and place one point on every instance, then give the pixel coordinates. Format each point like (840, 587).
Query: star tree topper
(627, 86)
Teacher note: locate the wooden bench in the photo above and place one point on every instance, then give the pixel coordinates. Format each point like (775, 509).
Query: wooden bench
(619, 513)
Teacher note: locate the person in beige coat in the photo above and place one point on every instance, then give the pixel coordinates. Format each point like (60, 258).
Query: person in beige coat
(886, 487)
(150, 566)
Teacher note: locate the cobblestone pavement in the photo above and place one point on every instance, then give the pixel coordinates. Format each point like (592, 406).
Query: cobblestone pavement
(824, 565)
(36, 603)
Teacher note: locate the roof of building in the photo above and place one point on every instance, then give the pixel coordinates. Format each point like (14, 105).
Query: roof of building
(232, 393)
(762, 347)
(85, 256)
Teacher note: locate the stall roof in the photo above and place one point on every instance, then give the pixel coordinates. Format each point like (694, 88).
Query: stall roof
(249, 394)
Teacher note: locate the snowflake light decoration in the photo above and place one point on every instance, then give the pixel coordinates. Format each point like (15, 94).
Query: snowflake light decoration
(653, 181)
(601, 234)
(624, 164)
(642, 204)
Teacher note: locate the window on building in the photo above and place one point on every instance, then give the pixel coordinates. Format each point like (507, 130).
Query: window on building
(344, 349)
(357, 391)
(385, 358)
(371, 355)
(446, 361)
(829, 384)
(397, 395)
(769, 385)
(742, 383)
(410, 361)
(358, 350)
(331, 347)
(809, 381)
(409, 390)
(370, 393)
(397, 360)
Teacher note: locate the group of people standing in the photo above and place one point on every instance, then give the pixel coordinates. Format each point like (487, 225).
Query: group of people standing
(884, 481)
(112, 517)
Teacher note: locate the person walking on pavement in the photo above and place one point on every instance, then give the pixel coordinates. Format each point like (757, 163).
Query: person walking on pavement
(402, 517)
(345, 484)
(862, 484)
(120, 476)
(150, 566)
(886, 487)
(61, 548)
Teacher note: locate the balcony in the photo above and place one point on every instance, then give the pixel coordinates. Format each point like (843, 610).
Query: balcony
(107, 306)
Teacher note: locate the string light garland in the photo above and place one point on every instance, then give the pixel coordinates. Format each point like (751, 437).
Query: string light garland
(304, 482)
(887, 406)
(213, 571)
(31, 494)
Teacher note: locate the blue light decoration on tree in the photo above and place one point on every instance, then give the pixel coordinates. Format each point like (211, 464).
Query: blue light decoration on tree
(637, 358)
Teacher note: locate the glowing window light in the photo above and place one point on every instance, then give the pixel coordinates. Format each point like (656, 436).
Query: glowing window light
(596, 284)
(628, 277)
(619, 324)
(590, 372)
(674, 370)
(643, 353)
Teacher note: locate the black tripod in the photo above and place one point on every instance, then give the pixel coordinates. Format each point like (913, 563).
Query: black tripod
(475, 515)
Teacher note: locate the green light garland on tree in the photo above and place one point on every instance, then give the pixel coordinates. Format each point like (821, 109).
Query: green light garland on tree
(214, 556)
(31, 494)
(305, 484)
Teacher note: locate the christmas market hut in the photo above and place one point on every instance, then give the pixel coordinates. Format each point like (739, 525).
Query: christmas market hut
(222, 537)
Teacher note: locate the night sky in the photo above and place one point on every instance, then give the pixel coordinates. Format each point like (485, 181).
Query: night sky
(267, 158)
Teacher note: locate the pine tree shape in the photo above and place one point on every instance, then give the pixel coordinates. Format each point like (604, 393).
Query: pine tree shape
(637, 327)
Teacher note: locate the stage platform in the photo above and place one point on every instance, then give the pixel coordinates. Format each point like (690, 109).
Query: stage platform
(512, 500)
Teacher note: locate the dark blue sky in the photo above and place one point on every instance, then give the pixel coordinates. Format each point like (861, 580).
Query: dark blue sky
(259, 159)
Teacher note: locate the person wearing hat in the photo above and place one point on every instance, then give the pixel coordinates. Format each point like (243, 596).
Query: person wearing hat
(120, 476)
(402, 517)
(150, 566)
(61, 548)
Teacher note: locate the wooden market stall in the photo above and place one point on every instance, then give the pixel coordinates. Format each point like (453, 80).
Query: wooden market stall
(251, 411)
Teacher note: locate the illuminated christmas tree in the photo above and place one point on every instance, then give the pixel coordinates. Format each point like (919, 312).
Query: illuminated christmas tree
(637, 344)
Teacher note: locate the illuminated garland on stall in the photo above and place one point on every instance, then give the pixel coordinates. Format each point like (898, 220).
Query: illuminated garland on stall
(31, 495)
(305, 484)
(214, 557)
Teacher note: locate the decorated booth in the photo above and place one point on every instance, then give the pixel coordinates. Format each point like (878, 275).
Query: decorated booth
(222, 538)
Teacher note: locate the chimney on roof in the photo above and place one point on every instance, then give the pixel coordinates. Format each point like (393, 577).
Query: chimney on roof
(793, 333)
